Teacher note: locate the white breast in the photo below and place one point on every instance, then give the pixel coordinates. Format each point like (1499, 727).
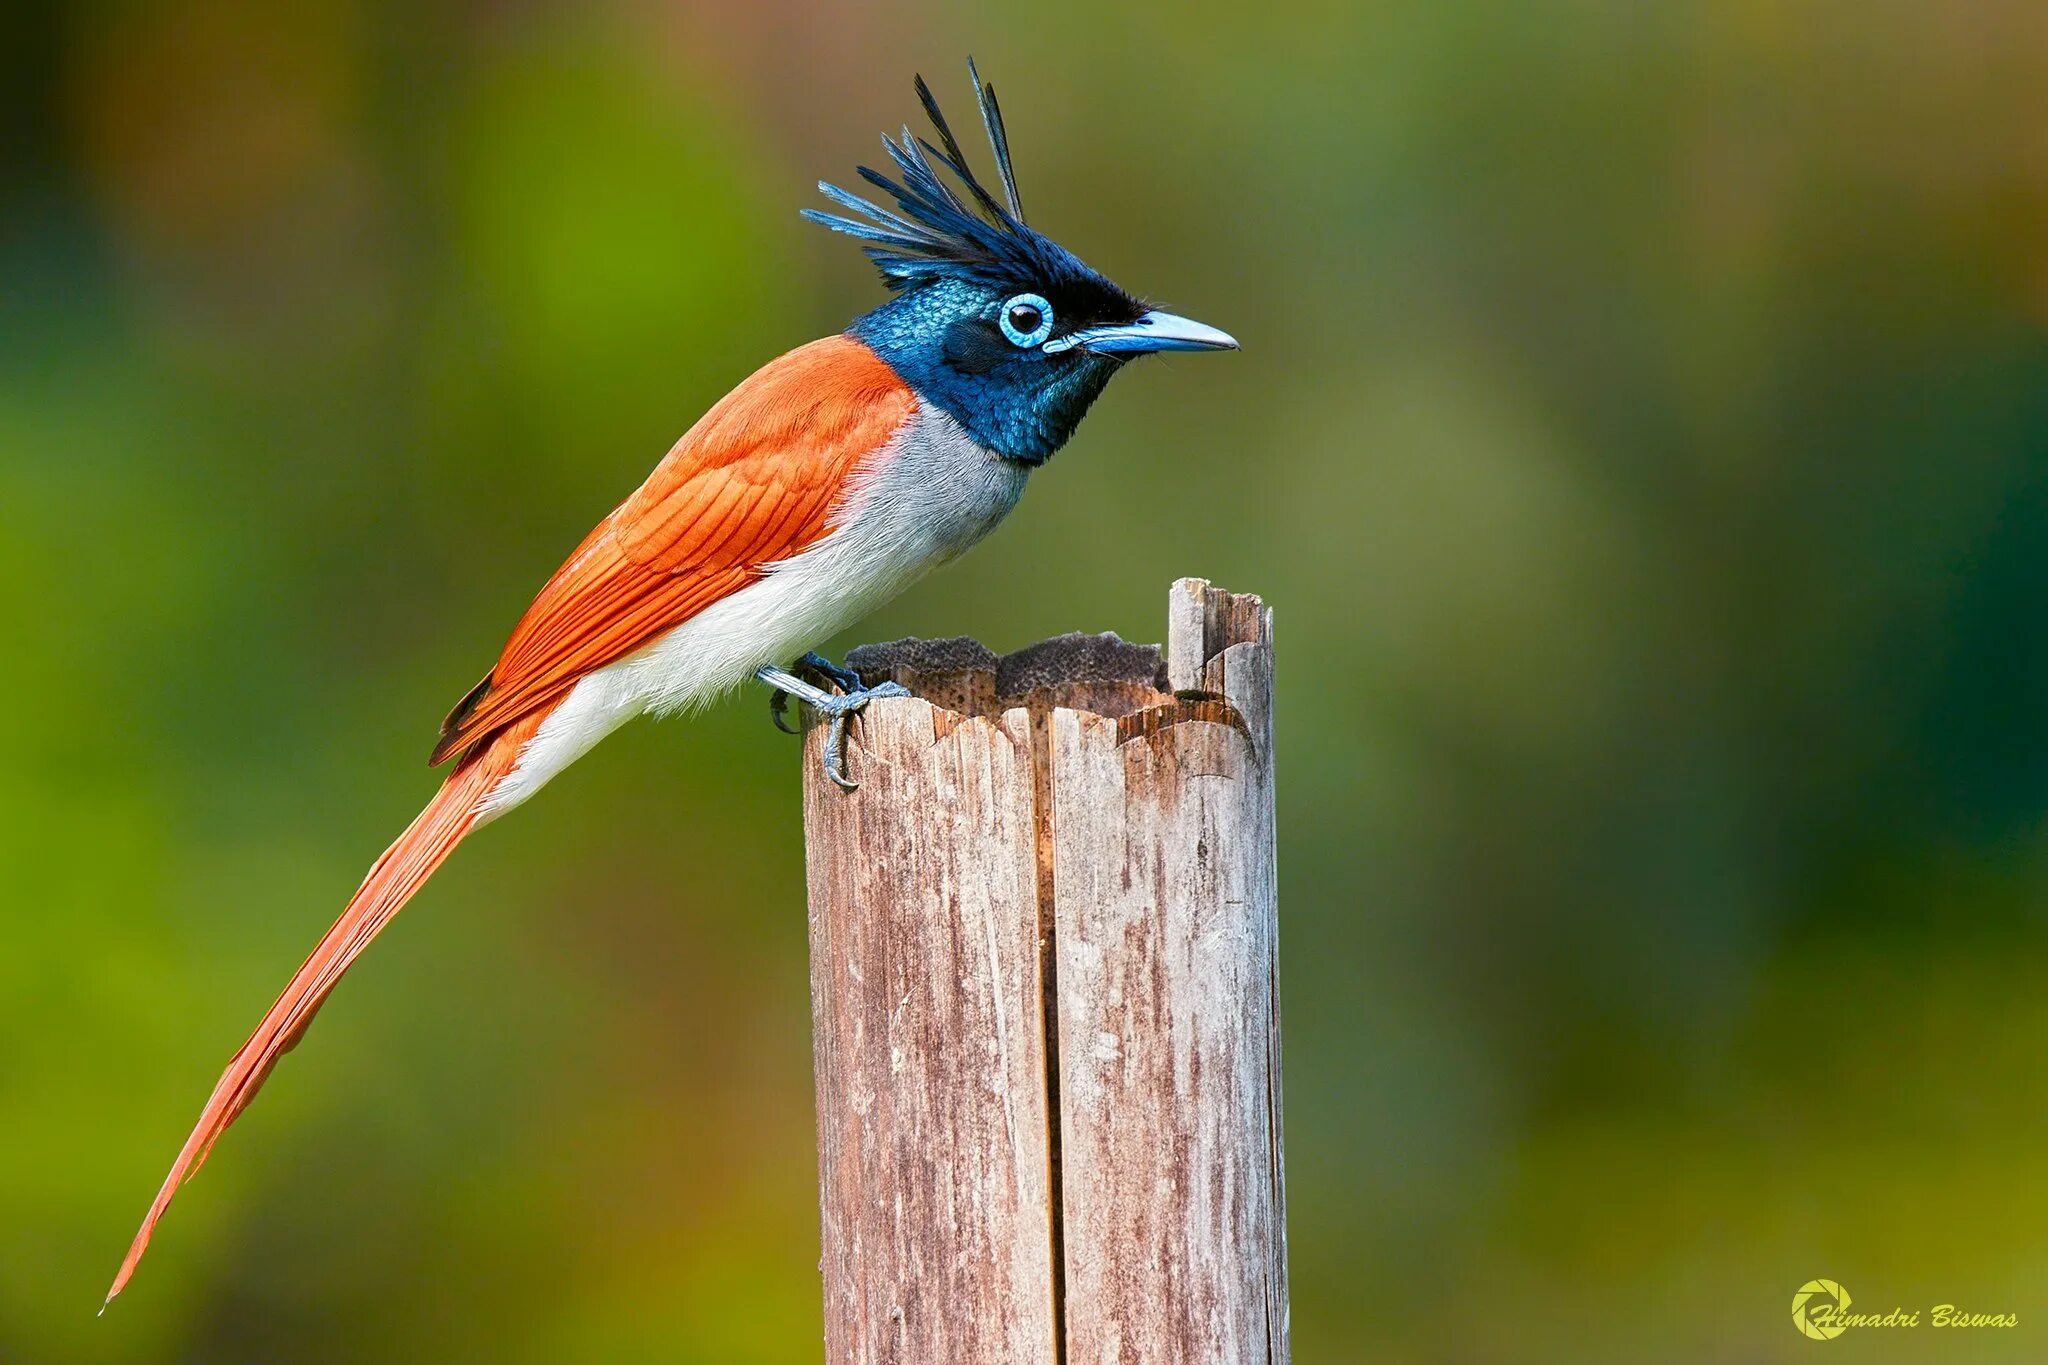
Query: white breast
(924, 498)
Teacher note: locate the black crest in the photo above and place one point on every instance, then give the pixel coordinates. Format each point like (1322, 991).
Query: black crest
(934, 233)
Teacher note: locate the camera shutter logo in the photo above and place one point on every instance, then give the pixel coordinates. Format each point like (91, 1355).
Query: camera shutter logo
(1818, 1309)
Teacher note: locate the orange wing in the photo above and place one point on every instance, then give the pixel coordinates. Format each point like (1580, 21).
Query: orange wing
(755, 481)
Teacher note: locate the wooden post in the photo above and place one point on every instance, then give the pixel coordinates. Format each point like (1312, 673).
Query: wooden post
(1045, 1006)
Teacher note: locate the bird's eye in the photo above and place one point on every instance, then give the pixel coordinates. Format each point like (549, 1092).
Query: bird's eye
(1027, 320)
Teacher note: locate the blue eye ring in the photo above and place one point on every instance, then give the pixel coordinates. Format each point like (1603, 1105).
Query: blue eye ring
(1035, 311)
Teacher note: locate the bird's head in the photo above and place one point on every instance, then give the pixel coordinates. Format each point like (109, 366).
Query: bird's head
(999, 325)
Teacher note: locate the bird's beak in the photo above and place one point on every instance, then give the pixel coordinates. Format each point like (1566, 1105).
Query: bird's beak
(1152, 332)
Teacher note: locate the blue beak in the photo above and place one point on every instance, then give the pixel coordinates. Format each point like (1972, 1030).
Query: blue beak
(1152, 332)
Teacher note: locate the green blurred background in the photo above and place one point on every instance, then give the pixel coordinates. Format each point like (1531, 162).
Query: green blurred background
(1641, 432)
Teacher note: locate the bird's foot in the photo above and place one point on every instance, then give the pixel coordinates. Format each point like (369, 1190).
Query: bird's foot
(838, 708)
(811, 668)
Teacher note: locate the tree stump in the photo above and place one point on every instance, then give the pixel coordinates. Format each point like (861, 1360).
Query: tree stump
(1045, 1003)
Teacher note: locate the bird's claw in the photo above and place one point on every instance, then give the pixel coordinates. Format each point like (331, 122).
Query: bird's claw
(839, 712)
(812, 663)
(839, 708)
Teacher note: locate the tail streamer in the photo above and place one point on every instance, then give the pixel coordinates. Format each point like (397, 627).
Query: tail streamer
(454, 811)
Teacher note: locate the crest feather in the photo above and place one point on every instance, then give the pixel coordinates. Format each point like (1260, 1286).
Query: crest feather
(933, 233)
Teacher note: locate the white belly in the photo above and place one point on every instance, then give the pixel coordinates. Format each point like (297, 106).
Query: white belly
(925, 498)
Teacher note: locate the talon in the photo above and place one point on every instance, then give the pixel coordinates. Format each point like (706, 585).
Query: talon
(778, 708)
(835, 753)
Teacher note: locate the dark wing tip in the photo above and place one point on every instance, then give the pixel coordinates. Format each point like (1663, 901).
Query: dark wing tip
(453, 740)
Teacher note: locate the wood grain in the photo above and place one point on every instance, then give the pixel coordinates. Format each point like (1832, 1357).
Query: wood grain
(932, 1128)
(1173, 1202)
(1045, 1000)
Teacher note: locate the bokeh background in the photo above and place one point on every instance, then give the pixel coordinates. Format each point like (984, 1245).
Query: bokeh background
(1642, 433)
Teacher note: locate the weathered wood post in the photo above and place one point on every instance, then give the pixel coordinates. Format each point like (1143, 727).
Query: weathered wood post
(1044, 1003)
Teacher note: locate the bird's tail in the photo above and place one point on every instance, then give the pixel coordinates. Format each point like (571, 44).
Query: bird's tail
(455, 810)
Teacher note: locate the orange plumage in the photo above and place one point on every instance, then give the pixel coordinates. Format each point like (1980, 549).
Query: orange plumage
(754, 482)
(402, 870)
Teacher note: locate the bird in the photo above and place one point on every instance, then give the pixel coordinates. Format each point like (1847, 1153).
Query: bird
(823, 485)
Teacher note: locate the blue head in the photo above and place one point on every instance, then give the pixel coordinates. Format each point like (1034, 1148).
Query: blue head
(1001, 326)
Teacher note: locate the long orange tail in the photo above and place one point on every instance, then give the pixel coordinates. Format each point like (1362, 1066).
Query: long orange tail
(455, 810)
